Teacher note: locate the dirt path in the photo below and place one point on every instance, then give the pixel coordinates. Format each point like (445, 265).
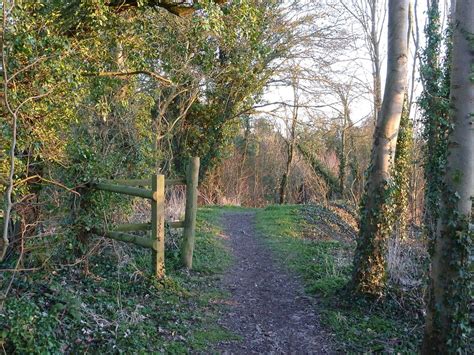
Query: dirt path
(268, 308)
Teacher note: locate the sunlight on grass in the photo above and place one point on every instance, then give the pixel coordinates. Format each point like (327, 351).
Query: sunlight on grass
(325, 267)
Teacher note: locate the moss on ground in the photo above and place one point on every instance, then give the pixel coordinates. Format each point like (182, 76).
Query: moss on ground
(302, 241)
(120, 307)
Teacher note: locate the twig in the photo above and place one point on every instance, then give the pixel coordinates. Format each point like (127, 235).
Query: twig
(129, 73)
(48, 181)
(26, 67)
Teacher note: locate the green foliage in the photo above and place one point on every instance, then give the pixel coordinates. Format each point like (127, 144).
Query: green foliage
(119, 307)
(243, 35)
(370, 332)
(96, 125)
(93, 124)
(31, 330)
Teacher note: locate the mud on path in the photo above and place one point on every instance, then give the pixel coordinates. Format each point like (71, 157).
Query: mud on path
(267, 308)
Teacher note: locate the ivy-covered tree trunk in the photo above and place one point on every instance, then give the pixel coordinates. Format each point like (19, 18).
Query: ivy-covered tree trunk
(403, 159)
(375, 226)
(434, 103)
(342, 150)
(450, 284)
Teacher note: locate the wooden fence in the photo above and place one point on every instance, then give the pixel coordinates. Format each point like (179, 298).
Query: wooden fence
(135, 187)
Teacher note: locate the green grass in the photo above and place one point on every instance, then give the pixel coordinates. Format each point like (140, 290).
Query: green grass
(121, 307)
(314, 261)
(325, 267)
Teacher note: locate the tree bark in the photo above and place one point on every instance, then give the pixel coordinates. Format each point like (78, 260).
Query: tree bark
(369, 261)
(450, 277)
(375, 43)
(342, 160)
(342, 153)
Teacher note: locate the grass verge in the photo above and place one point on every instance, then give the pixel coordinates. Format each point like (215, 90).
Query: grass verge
(316, 249)
(120, 307)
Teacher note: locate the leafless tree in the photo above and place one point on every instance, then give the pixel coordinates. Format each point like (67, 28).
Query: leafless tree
(290, 139)
(371, 15)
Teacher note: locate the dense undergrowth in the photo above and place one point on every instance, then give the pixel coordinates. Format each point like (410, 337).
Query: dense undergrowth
(119, 307)
(317, 243)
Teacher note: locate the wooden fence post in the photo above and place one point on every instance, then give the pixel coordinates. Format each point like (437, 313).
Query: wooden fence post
(158, 224)
(192, 176)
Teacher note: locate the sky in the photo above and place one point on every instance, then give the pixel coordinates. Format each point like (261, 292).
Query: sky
(352, 62)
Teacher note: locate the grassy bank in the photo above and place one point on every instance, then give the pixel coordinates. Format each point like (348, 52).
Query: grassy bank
(119, 306)
(317, 243)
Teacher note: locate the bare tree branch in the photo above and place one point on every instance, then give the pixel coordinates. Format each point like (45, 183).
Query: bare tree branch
(130, 73)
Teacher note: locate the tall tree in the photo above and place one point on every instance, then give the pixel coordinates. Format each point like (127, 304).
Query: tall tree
(403, 154)
(447, 320)
(345, 94)
(370, 257)
(290, 139)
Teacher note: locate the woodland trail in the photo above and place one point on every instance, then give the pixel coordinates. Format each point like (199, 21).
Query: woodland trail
(268, 308)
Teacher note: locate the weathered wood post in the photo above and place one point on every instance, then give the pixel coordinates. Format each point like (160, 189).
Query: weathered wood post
(192, 176)
(158, 224)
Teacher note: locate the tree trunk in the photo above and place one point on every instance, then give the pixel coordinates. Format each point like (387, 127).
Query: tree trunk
(342, 160)
(342, 152)
(291, 140)
(290, 151)
(376, 60)
(283, 184)
(447, 317)
(375, 226)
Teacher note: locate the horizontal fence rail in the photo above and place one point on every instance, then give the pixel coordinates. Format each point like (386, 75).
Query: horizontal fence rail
(145, 182)
(130, 227)
(130, 182)
(156, 195)
(126, 190)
